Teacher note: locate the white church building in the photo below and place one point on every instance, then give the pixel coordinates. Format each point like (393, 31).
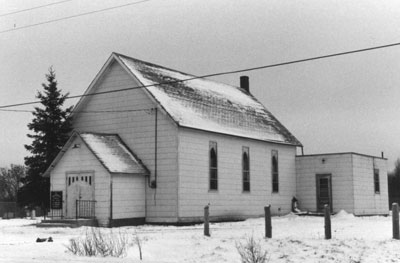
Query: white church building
(156, 145)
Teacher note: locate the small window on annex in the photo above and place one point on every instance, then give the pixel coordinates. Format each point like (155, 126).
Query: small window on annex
(213, 166)
(275, 171)
(376, 181)
(246, 169)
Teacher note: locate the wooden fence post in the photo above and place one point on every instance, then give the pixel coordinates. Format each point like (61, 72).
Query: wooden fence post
(206, 221)
(395, 221)
(268, 226)
(328, 234)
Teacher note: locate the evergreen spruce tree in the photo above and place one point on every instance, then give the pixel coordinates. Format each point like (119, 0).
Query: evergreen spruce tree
(51, 127)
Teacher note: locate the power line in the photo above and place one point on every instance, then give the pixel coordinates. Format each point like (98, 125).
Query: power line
(73, 16)
(90, 111)
(33, 8)
(114, 111)
(16, 110)
(216, 74)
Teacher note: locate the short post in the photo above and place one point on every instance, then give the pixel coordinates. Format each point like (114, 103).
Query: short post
(76, 210)
(395, 221)
(206, 221)
(33, 214)
(328, 234)
(268, 225)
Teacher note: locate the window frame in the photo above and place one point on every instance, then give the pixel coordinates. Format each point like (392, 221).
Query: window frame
(245, 170)
(213, 170)
(377, 187)
(275, 171)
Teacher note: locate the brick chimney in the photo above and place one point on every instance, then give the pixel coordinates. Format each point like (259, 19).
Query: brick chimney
(244, 83)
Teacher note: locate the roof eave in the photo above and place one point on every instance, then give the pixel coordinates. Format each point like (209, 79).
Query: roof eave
(144, 173)
(60, 154)
(297, 143)
(92, 84)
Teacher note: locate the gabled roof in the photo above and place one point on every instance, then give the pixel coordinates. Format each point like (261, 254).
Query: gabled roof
(113, 153)
(203, 104)
(109, 149)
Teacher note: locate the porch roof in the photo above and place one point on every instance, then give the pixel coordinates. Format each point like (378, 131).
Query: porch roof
(109, 149)
(113, 153)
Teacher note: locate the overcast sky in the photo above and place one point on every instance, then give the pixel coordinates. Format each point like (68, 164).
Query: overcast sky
(340, 104)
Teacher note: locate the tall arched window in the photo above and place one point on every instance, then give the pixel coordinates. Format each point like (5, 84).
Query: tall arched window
(275, 171)
(246, 169)
(376, 181)
(213, 166)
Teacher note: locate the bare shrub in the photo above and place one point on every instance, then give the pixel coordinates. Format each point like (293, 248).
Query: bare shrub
(250, 251)
(98, 243)
(73, 247)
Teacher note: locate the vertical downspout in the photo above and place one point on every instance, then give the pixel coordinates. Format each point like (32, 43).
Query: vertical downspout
(155, 150)
(353, 178)
(155, 155)
(153, 183)
(111, 201)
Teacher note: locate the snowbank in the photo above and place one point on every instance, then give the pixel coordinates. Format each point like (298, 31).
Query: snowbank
(294, 239)
(342, 214)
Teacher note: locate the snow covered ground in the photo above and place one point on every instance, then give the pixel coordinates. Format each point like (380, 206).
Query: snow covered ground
(295, 239)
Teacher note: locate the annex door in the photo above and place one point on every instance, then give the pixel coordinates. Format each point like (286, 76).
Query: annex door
(324, 191)
(80, 186)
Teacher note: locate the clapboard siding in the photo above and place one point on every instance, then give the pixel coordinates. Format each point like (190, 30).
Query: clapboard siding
(136, 127)
(82, 160)
(352, 182)
(129, 196)
(367, 201)
(340, 169)
(230, 200)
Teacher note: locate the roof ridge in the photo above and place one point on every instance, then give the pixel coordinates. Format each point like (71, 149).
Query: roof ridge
(158, 66)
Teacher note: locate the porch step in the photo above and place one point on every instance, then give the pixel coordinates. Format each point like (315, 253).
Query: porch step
(42, 224)
(67, 223)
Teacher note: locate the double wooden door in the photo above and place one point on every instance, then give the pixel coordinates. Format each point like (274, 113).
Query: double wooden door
(80, 186)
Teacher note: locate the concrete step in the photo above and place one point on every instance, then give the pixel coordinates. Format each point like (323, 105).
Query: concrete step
(46, 225)
(67, 223)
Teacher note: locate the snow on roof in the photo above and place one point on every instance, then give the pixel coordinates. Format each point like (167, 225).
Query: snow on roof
(113, 154)
(208, 105)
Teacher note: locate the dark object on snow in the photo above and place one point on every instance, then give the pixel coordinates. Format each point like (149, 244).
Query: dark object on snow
(295, 208)
(294, 204)
(40, 240)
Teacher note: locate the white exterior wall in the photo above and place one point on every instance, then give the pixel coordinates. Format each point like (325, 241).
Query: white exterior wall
(339, 166)
(128, 196)
(352, 182)
(82, 160)
(137, 130)
(367, 202)
(230, 201)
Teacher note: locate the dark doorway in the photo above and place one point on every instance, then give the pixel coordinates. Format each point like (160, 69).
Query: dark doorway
(324, 191)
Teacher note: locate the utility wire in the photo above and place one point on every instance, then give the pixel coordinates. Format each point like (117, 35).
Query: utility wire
(114, 111)
(89, 111)
(216, 74)
(33, 8)
(16, 110)
(73, 16)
